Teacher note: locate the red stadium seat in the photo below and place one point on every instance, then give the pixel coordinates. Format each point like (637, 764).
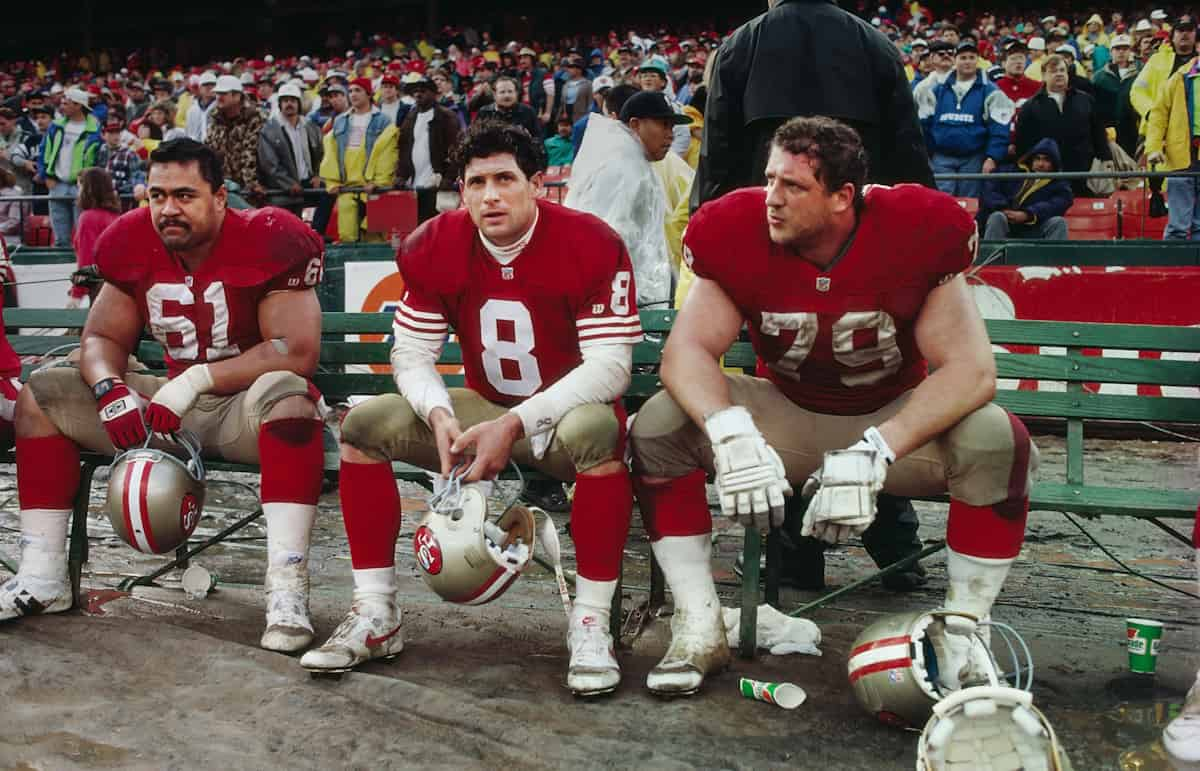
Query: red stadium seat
(1136, 221)
(394, 213)
(38, 231)
(1092, 219)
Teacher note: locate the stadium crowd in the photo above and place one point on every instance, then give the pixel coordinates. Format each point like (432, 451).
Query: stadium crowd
(1016, 93)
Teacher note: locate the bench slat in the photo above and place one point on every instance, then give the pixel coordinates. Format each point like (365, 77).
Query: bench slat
(1050, 404)
(1142, 337)
(1095, 369)
(337, 385)
(1125, 501)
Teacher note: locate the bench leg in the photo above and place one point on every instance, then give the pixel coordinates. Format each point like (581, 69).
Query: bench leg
(774, 558)
(77, 553)
(187, 554)
(658, 585)
(615, 618)
(748, 634)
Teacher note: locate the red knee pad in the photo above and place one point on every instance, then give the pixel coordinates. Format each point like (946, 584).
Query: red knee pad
(47, 472)
(292, 460)
(675, 508)
(371, 511)
(600, 516)
(987, 531)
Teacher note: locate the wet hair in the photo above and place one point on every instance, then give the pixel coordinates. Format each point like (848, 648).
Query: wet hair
(617, 96)
(96, 190)
(185, 150)
(489, 137)
(834, 150)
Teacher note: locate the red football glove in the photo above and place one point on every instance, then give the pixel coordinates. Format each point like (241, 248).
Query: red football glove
(161, 420)
(121, 417)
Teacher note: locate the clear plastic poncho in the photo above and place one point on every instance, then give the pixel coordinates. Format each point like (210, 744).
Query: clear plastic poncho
(612, 179)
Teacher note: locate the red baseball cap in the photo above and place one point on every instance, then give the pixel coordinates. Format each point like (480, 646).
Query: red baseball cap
(363, 83)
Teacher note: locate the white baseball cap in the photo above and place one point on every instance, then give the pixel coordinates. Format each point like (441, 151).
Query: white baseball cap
(603, 81)
(1121, 40)
(78, 96)
(247, 78)
(1143, 25)
(1037, 44)
(208, 79)
(1158, 14)
(269, 59)
(228, 84)
(292, 90)
(309, 75)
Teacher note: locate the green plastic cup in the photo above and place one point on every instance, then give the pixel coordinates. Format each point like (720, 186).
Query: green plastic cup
(1143, 636)
(784, 695)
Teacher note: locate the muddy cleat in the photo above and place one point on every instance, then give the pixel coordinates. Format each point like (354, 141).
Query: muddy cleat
(698, 648)
(593, 670)
(288, 627)
(25, 595)
(372, 630)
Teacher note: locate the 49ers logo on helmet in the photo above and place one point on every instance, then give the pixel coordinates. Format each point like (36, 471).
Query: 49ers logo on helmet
(189, 513)
(428, 551)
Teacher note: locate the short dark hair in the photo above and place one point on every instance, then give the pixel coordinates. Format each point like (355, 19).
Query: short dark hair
(489, 137)
(617, 96)
(8, 113)
(509, 79)
(834, 149)
(185, 150)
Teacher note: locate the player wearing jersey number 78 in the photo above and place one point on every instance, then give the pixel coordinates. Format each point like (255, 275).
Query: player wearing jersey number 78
(847, 290)
(230, 297)
(540, 298)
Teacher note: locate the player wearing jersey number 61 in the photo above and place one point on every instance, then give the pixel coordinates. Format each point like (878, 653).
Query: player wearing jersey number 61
(848, 291)
(230, 297)
(541, 298)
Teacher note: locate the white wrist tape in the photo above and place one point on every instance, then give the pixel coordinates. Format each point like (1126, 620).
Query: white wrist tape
(729, 422)
(872, 437)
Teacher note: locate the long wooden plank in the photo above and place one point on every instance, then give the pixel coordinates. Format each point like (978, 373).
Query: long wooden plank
(1122, 501)
(1087, 405)
(1138, 337)
(336, 385)
(1097, 369)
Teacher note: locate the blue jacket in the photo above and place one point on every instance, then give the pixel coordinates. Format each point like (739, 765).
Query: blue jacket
(977, 125)
(1040, 198)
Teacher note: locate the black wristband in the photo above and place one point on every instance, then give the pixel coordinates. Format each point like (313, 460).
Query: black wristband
(104, 386)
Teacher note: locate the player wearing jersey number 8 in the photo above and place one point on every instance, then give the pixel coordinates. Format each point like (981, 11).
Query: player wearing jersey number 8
(846, 299)
(540, 298)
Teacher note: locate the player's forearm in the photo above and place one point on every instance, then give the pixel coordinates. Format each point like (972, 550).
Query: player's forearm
(229, 376)
(601, 378)
(694, 379)
(414, 368)
(101, 358)
(942, 400)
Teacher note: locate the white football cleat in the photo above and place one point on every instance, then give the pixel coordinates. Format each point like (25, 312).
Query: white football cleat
(698, 648)
(288, 627)
(1181, 737)
(26, 595)
(371, 630)
(593, 670)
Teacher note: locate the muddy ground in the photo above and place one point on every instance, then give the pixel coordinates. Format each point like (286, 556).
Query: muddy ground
(157, 681)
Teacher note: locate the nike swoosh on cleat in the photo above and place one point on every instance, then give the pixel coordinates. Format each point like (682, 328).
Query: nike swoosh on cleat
(372, 641)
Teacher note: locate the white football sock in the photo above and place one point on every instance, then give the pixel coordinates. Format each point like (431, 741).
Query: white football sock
(289, 526)
(595, 596)
(686, 564)
(375, 580)
(44, 542)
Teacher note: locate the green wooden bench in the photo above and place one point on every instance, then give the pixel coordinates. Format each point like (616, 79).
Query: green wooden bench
(1075, 405)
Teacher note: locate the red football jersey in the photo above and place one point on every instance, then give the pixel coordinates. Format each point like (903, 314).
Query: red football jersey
(838, 341)
(211, 314)
(524, 325)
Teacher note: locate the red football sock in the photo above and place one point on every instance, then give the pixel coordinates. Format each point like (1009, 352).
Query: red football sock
(674, 508)
(47, 472)
(371, 511)
(1196, 530)
(292, 460)
(987, 531)
(600, 518)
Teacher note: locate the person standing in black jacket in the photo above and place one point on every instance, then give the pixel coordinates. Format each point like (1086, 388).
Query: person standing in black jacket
(508, 108)
(1066, 115)
(806, 57)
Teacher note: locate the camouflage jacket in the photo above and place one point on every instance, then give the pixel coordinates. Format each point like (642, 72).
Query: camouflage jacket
(237, 141)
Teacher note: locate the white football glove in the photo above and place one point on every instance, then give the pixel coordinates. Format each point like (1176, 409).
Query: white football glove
(751, 481)
(843, 490)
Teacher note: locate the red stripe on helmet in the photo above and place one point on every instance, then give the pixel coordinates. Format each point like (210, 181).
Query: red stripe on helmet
(902, 640)
(493, 578)
(129, 534)
(143, 486)
(880, 666)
